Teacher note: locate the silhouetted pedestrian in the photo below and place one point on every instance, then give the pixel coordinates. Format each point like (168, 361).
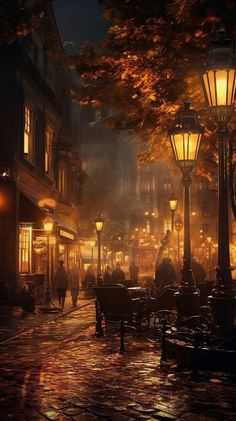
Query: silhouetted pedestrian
(134, 271)
(118, 275)
(165, 274)
(89, 278)
(107, 276)
(61, 283)
(74, 284)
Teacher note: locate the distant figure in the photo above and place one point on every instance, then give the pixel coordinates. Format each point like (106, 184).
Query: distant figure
(74, 284)
(61, 283)
(27, 299)
(118, 275)
(89, 278)
(134, 271)
(199, 273)
(107, 276)
(165, 274)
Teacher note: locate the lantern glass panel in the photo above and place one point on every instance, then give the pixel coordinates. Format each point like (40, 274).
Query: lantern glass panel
(219, 87)
(99, 225)
(48, 224)
(186, 146)
(231, 86)
(206, 84)
(173, 204)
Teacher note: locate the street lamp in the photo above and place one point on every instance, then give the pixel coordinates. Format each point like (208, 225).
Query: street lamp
(219, 83)
(178, 228)
(185, 136)
(48, 227)
(172, 205)
(99, 222)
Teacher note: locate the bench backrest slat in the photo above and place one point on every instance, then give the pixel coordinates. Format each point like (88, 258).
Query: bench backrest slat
(114, 300)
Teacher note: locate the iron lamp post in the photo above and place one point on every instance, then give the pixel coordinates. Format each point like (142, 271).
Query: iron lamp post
(185, 137)
(99, 222)
(172, 205)
(48, 227)
(178, 228)
(219, 83)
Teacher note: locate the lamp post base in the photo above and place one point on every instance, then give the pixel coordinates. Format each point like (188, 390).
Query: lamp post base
(223, 309)
(187, 302)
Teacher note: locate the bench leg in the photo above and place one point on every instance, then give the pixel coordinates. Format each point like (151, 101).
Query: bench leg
(122, 336)
(163, 342)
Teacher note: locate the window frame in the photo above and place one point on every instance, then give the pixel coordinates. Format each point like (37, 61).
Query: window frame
(29, 132)
(48, 152)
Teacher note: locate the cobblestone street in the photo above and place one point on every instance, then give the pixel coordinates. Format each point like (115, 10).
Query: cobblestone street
(62, 372)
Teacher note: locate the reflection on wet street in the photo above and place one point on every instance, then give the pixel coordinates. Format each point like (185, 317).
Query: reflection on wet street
(62, 372)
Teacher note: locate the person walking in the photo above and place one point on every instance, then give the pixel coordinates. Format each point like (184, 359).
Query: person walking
(61, 283)
(118, 275)
(74, 284)
(89, 282)
(134, 271)
(107, 276)
(165, 274)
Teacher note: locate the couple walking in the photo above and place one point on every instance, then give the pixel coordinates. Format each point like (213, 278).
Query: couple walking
(63, 281)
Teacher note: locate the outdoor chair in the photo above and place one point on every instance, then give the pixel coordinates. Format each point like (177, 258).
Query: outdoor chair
(117, 306)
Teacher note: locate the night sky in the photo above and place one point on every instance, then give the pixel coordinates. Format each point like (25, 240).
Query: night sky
(80, 20)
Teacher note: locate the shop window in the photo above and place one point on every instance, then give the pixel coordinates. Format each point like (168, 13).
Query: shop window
(48, 161)
(62, 179)
(28, 134)
(24, 250)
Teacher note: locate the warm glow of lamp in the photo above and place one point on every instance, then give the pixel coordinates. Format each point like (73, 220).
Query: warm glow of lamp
(99, 222)
(48, 224)
(219, 76)
(172, 202)
(185, 136)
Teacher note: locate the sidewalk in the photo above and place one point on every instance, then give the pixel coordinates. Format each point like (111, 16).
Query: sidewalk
(13, 321)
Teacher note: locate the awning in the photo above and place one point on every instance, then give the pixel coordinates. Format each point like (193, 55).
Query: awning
(30, 212)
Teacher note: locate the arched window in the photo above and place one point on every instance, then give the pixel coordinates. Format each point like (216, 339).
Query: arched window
(62, 179)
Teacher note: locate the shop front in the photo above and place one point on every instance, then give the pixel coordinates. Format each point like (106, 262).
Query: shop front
(34, 254)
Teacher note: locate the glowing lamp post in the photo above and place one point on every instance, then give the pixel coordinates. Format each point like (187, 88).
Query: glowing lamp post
(185, 136)
(48, 227)
(178, 228)
(219, 83)
(172, 205)
(99, 222)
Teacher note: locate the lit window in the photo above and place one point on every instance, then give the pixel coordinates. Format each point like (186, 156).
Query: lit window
(62, 179)
(28, 133)
(48, 152)
(24, 250)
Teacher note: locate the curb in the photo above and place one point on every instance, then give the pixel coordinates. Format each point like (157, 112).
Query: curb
(63, 314)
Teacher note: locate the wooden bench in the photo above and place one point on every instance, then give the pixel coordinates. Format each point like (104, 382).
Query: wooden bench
(117, 306)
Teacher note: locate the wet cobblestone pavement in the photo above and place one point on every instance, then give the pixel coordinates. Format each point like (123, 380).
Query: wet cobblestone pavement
(62, 372)
(13, 321)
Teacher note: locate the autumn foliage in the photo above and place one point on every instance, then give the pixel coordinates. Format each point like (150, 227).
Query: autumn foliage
(18, 18)
(149, 64)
